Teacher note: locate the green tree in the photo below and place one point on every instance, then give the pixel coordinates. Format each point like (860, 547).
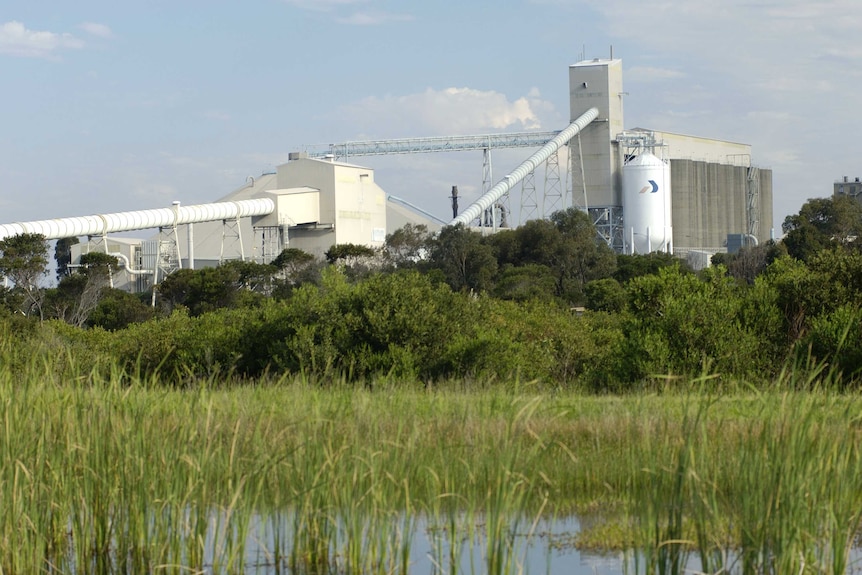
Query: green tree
(823, 223)
(530, 282)
(357, 261)
(679, 324)
(252, 276)
(199, 291)
(467, 263)
(295, 268)
(118, 309)
(407, 246)
(347, 253)
(99, 266)
(292, 261)
(606, 295)
(23, 258)
(636, 265)
(582, 257)
(77, 295)
(63, 255)
(751, 261)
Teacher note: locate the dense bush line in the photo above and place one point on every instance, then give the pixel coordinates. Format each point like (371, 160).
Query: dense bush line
(545, 303)
(398, 325)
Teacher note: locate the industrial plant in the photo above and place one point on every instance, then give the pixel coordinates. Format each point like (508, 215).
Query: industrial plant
(645, 189)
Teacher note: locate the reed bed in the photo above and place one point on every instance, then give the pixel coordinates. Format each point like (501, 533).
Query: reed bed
(116, 474)
(778, 490)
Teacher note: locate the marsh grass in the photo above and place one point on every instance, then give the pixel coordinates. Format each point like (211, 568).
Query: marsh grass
(778, 491)
(105, 472)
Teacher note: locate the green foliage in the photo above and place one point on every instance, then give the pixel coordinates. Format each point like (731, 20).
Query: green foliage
(23, 258)
(835, 338)
(582, 256)
(357, 261)
(566, 245)
(803, 292)
(530, 282)
(63, 301)
(467, 263)
(99, 263)
(387, 324)
(679, 324)
(751, 261)
(348, 252)
(407, 246)
(399, 325)
(118, 309)
(154, 347)
(296, 268)
(232, 284)
(636, 265)
(606, 295)
(250, 276)
(63, 255)
(291, 260)
(496, 308)
(823, 224)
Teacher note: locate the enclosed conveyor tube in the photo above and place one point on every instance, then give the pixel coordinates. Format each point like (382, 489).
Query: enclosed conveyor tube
(100, 225)
(530, 164)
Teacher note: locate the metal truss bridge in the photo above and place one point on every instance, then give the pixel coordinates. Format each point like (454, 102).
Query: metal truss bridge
(555, 188)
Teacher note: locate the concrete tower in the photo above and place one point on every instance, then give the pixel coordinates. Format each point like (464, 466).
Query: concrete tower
(597, 83)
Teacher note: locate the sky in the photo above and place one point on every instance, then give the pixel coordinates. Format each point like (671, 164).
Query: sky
(110, 106)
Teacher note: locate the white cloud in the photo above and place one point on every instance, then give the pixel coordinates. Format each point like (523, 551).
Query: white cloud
(17, 40)
(98, 30)
(445, 112)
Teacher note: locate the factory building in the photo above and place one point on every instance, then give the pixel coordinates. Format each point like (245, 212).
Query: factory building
(844, 187)
(689, 195)
(646, 190)
(317, 203)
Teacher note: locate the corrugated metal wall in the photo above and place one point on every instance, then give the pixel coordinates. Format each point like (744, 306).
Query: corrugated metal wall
(710, 201)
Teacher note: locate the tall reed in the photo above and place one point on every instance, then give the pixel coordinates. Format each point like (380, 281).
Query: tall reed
(780, 492)
(103, 471)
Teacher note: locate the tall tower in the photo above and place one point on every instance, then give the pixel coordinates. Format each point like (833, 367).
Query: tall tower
(595, 155)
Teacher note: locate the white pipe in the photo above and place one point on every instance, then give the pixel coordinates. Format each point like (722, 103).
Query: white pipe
(491, 196)
(99, 225)
(128, 266)
(176, 208)
(191, 238)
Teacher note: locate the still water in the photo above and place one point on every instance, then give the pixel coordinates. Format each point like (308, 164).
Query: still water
(546, 548)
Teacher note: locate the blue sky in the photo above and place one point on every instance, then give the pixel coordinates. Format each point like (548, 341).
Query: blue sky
(114, 106)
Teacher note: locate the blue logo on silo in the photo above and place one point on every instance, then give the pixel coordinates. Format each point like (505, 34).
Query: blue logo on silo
(652, 184)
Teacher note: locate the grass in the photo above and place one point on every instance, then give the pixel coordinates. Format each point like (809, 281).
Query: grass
(117, 475)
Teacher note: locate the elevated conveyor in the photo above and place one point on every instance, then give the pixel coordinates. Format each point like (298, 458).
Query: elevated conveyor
(102, 224)
(527, 166)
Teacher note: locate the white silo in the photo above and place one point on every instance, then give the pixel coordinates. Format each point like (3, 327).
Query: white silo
(646, 204)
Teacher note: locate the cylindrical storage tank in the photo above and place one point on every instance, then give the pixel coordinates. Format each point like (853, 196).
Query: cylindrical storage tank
(646, 204)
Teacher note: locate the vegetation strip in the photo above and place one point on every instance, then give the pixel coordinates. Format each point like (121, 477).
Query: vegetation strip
(125, 475)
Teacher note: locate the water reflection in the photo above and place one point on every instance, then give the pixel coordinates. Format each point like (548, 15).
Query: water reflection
(544, 548)
(548, 547)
